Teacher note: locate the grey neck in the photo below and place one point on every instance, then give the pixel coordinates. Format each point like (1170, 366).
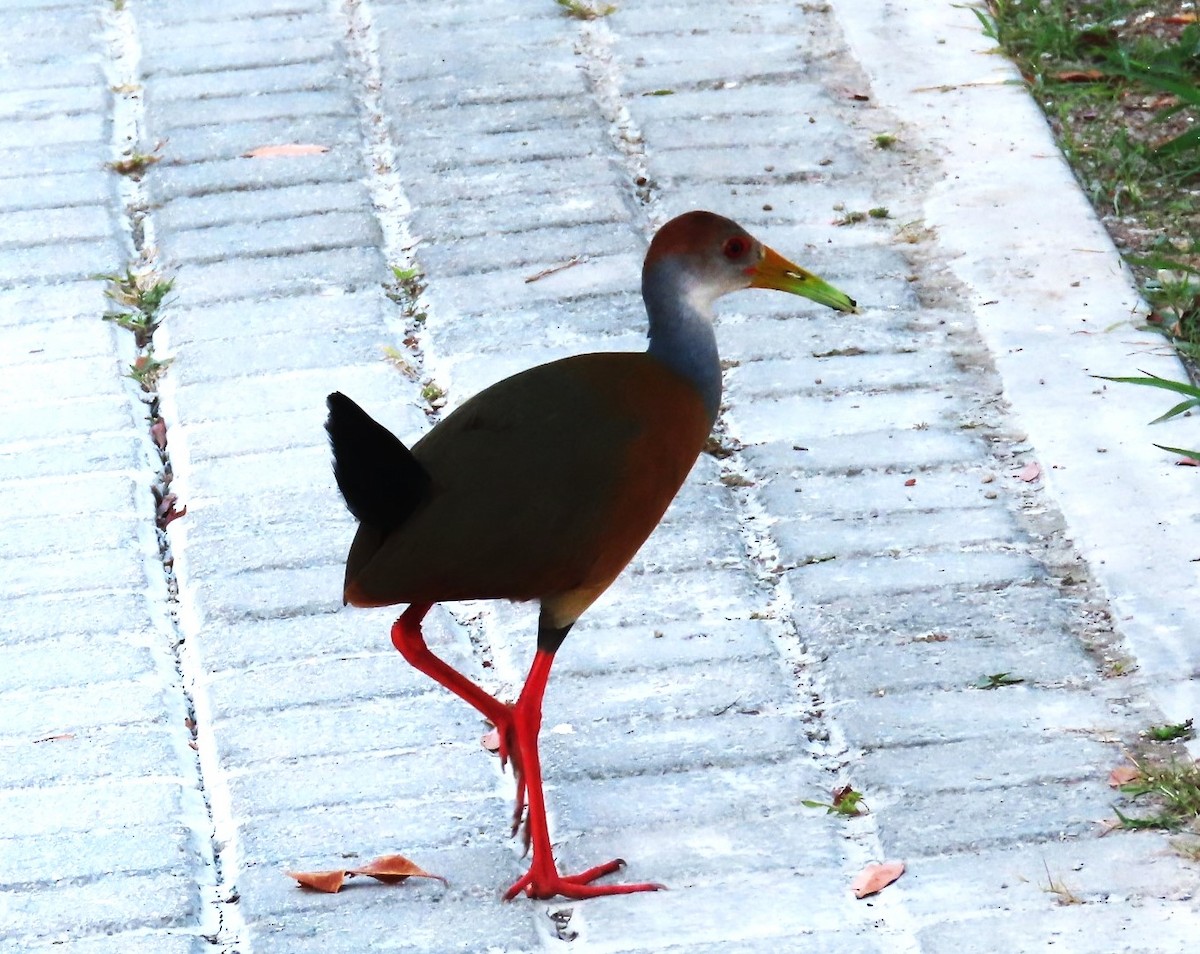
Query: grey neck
(681, 330)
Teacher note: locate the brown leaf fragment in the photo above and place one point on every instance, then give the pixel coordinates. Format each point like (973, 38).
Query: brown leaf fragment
(1078, 76)
(491, 741)
(61, 737)
(1030, 472)
(1123, 775)
(285, 149)
(391, 869)
(158, 432)
(911, 482)
(875, 877)
(328, 881)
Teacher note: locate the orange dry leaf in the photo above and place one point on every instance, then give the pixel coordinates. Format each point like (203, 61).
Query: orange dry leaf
(1078, 76)
(287, 149)
(1030, 472)
(1123, 775)
(390, 869)
(911, 482)
(874, 878)
(328, 881)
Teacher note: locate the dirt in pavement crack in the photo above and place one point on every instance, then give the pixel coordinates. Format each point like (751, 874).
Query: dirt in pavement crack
(139, 295)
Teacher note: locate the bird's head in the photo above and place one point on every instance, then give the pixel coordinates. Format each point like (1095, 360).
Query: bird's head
(717, 256)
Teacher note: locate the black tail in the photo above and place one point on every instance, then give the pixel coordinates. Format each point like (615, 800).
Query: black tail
(378, 476)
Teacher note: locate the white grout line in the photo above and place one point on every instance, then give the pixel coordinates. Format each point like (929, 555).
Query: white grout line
(600, 63)
(210, 816)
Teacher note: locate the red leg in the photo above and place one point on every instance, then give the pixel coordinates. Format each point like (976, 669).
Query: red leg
(408, 639)
(542, 880)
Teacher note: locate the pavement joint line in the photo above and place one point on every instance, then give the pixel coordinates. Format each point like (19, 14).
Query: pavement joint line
(596, 46)
(122, 70)
(400, 248)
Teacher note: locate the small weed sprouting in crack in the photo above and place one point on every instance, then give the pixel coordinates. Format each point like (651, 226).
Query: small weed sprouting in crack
(586, 11)
(406, 292)
(433, 395)
(846, 802)
(140, 295)
(146, 370)
(136, 163)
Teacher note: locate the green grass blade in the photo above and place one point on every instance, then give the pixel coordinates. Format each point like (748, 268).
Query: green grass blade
(1154, 381)
(1161, 262)
(1190, 454)
(1181, 143)
(1178, 409)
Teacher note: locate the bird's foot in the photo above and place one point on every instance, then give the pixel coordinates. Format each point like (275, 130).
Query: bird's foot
(505, 743)
(543, 885)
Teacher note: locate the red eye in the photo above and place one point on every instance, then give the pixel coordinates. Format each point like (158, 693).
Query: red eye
(735, 247)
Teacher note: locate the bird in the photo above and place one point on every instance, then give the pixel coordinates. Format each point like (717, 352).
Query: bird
(544, 485)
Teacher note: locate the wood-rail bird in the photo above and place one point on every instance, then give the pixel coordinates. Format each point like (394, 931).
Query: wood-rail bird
(544, 485)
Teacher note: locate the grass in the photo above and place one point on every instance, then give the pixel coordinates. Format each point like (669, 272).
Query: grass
(1171, 731)
(1119, 82)
(1172, 787)
(585, 11)
(997, 680)
(1191, 400)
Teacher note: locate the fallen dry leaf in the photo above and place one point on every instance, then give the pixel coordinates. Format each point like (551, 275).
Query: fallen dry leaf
(158, 432)
(1030, 472)
(286, 149)
(328, 881)
(491, 741)
(1123, 775)
(61, 737)
(874, 878)
(1078, 76)
(390, 869)
(911, 482)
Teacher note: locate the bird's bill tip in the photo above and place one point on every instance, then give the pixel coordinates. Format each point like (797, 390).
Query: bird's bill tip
(775, 271)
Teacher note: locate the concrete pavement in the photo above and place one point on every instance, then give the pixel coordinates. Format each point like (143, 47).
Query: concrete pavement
(188, 711)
